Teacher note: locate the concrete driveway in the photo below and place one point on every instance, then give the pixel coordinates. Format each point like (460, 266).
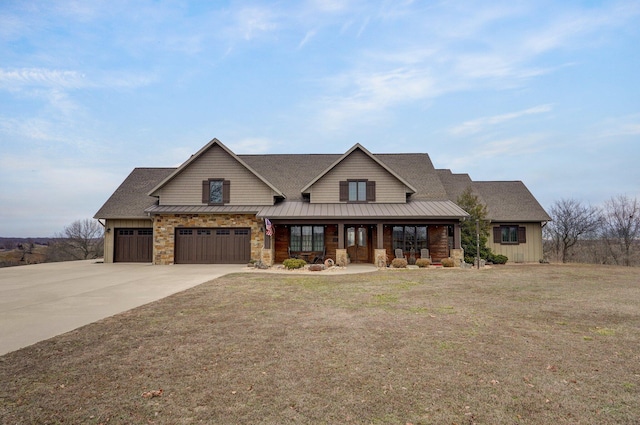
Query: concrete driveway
(41, 301)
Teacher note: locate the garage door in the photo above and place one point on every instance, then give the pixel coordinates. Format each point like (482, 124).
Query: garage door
(213, 246)
(133, 245)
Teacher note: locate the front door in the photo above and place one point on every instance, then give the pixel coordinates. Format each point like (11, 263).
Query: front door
(357, 244)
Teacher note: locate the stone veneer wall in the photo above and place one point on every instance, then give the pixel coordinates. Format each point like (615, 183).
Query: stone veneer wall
(165, 225)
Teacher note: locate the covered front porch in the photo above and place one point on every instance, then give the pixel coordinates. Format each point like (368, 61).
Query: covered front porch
(362, 241)
(362, 232)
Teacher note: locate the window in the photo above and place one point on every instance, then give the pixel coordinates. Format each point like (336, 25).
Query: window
(216, 191)
(357, 191)
(307, 238)
(509, 235)
(407, 238)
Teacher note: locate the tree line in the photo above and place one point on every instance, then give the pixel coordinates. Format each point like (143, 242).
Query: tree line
(607, 234)
(80, 240)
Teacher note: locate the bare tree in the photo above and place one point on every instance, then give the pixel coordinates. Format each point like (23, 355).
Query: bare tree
(621, 229)
(81, 240)
(570, 221)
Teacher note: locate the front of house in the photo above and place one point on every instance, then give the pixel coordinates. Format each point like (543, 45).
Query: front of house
(219, 207)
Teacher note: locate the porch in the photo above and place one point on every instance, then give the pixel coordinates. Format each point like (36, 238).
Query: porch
(362, 241)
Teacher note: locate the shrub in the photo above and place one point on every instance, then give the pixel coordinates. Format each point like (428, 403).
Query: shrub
(447, 262)
(399, 263)
(423, 262)
(499, 259)
(294, 263)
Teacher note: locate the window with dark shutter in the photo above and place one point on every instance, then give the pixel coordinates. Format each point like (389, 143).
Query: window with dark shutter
(497, 235)
(357, 191)
(344, 191)
(371, 191)
(216, 192)
(509, 235)
(205, 191)
(226, 191)
(522, 235)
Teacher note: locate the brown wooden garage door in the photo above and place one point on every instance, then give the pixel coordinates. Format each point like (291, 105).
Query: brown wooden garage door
(213, 246)
(133, 245)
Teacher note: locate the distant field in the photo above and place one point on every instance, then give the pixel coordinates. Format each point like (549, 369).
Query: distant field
(514, 344)
(15, 257)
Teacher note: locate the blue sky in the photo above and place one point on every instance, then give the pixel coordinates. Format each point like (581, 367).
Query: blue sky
(547, 92)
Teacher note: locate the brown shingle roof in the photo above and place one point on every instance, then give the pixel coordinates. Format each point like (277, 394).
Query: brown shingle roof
(455, 184)
(290, 172)
(417, 169)
(130, 198)
(510, 201)
(506, 201)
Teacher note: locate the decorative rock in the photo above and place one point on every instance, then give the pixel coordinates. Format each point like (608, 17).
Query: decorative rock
(316, 267)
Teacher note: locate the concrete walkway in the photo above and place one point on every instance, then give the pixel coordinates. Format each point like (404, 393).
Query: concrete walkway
(41, 301)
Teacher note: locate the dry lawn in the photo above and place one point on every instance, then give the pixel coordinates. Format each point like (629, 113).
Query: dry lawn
(520, 344)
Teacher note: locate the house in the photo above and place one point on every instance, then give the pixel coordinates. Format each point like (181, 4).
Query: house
(219, 207)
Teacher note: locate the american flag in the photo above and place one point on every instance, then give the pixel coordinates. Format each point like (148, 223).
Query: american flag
(270, 230)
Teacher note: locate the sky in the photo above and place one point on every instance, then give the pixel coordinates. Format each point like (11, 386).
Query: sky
(542, 91)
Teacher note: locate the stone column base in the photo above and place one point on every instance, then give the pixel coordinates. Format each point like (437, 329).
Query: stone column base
(341, 257)
(266, 256)
(458, 256)
(380, 258)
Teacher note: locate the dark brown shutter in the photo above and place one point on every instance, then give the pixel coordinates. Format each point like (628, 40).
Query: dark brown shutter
(497, 235)
(371, 191)
(205, 191)
(344, 191)
(226, 191)
(522, 235)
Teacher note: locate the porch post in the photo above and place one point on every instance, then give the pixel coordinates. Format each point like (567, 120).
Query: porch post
(380, 238)
(340, 235)
(457, 238)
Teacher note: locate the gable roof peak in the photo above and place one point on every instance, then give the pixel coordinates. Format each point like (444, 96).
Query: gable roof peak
(355, 147)
(205, 148)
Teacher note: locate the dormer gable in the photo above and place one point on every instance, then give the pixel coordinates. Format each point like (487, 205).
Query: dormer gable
(215, 176)
(358, 177)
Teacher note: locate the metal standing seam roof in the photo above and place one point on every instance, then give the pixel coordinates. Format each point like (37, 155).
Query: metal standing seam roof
(203, 209)
(422, 209)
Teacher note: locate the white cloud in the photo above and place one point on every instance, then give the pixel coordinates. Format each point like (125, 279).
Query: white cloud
(308, 36)
(250, 22)
(482, 152)
(252, 145)
(480, 124)
(628, 125)
(374, 92)
(41, 77)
